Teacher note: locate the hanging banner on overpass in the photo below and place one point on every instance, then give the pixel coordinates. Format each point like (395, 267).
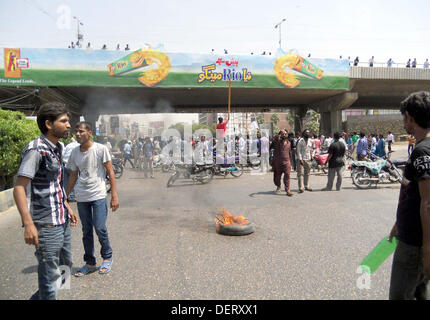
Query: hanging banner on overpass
(150, 67)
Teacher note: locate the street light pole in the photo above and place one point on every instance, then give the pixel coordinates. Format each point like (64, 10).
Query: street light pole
(279, 25)
(80, 36)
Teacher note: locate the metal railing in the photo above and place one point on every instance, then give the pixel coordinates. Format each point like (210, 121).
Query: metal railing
(384, 64)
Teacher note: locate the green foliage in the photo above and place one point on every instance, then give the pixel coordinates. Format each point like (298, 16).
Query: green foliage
(260, 119)
(194, 128)
(313, 124)
(275, 118)
(15, 133)
(289, 117)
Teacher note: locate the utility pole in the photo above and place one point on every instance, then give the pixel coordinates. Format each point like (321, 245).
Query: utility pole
(279, 25)
(80, 36)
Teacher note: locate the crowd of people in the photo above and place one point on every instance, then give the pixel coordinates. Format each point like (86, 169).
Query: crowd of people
(272, 152)
(409, 64)
(48, 217)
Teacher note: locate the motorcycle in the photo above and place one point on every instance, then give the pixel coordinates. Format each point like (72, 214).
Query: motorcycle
(198, 172)
(320, 162)
(366, 173)
(158, 160)
(236, 170)
(118, 166)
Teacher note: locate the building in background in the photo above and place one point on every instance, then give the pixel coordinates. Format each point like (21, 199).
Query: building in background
(141, 125)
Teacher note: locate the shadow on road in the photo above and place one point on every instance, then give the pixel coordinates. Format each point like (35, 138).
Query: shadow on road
(28, 270)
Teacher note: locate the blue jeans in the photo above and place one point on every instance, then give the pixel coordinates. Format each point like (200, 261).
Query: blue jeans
(127, 157)
(93, 215)
(55, 250)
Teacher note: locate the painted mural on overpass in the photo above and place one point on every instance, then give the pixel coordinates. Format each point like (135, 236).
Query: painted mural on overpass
(153, 67)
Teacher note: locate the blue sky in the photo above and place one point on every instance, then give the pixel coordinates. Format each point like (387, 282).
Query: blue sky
(325, 29)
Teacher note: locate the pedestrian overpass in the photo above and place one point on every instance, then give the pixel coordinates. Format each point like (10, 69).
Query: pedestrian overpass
(107, 84)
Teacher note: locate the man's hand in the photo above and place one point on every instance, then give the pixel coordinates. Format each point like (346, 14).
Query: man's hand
(393, 233)
(73, 218)
(31, 235)
(114, 203)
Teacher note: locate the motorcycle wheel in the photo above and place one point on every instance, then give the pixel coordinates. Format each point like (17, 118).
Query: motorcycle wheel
(360, 184)
(118, 170)
(238, 171)
(394, 176)
(165, 168)
(255, 165)
(209, 174)
(171, 180)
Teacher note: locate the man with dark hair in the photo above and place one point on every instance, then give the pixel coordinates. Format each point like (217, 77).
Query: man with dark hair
(92, 160)
(362, 146)
(411, 262)
(221, 127)
(305, 147)
(281, 161)
(380, 147)
(390, 140)
(336, 164)
(48, 219)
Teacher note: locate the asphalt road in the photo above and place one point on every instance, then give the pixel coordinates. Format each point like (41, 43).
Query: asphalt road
(165, 243)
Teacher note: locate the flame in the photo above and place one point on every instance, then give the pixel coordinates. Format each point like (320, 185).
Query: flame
(228, 219)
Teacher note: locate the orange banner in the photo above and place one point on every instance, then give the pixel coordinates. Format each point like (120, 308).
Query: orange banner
(11, 69)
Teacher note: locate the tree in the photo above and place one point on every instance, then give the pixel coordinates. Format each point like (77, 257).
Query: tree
(289, 117)
(15, 133)
(275, 118)
(260, 119)
(313, 124)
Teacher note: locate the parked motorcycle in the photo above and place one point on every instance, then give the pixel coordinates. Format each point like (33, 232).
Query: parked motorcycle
(320, 162)
(223, 169)
(366, 173)
(198, 172)
(118, 166)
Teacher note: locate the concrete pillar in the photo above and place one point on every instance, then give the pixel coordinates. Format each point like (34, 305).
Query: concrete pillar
(298, 114)
(331, 111)
(92, 118)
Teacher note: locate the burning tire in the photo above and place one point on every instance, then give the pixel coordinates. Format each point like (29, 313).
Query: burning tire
(231, 225)
(235, 229)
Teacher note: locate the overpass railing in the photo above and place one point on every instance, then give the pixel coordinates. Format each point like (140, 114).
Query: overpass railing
(389, 73)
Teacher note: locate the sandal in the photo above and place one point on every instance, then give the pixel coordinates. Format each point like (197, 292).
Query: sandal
(85, 270)
(106, 265)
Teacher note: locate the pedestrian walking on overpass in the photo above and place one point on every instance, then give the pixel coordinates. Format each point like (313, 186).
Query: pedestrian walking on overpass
(48, 217)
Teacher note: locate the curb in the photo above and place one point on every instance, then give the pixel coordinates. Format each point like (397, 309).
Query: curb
(6, 200)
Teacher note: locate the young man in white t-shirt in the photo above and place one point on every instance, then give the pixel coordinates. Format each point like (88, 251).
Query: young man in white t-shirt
(92, 160)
